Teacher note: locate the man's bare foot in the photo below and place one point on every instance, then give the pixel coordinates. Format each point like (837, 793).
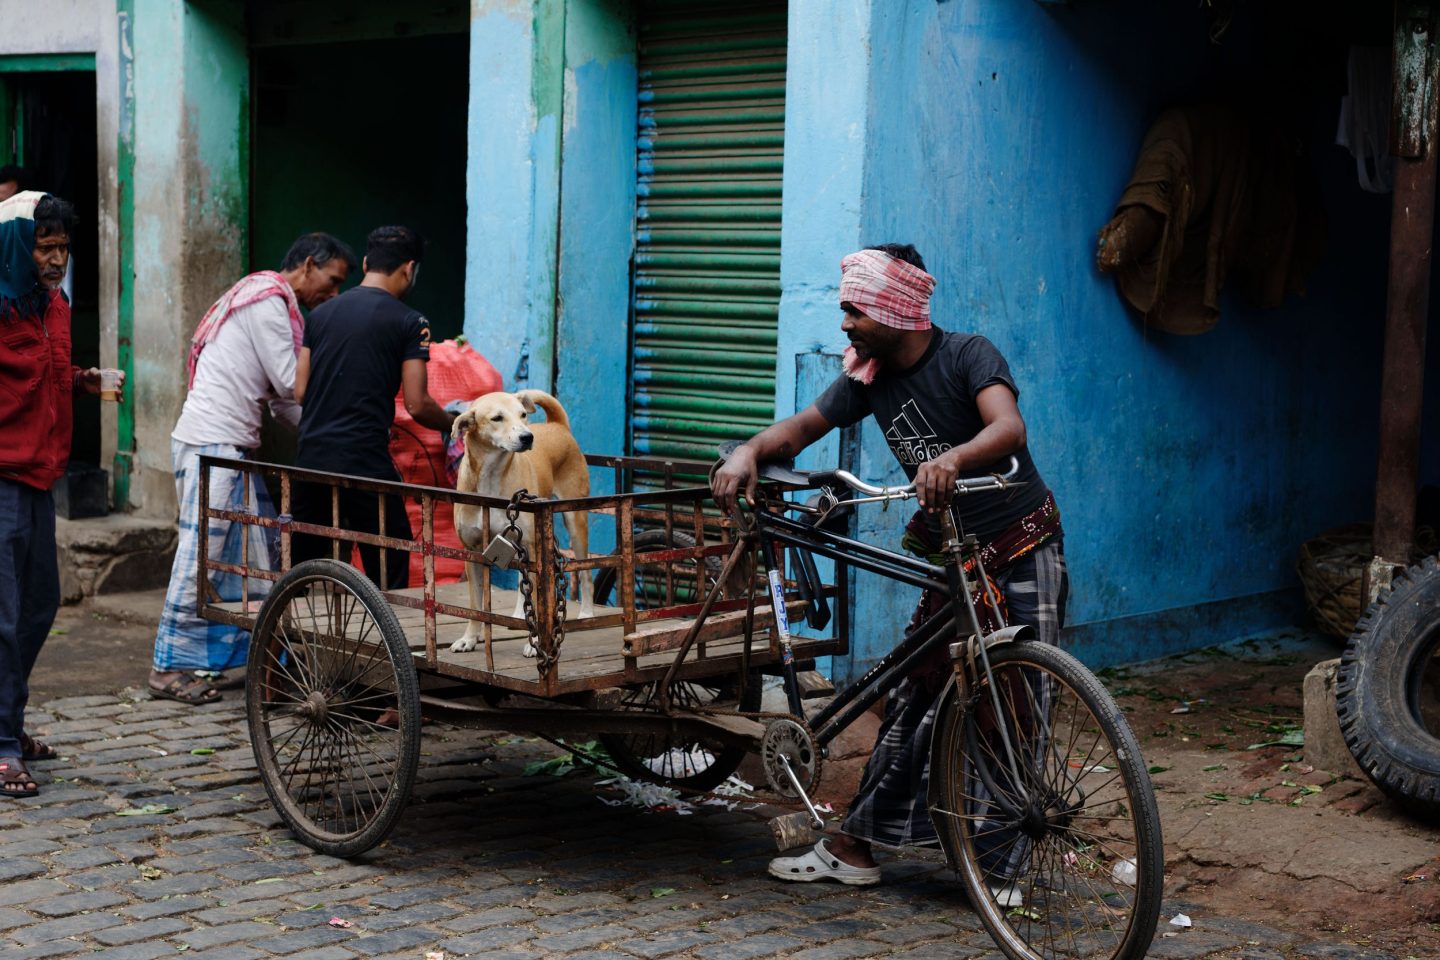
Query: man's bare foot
(852, 850)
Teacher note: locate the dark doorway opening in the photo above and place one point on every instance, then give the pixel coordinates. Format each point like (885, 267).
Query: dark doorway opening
(52, 135)
(352, 135)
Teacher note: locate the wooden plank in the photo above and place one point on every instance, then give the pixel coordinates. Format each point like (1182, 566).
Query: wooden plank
(660, 638)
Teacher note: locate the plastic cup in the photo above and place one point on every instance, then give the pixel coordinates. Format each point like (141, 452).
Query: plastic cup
(110, 385)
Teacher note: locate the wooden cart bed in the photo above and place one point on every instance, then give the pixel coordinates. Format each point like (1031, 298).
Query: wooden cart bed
(589, 659)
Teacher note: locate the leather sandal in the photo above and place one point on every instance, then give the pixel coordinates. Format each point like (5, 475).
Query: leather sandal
(186, 688)
(15, 780)
(223, 681)
(818, 863)
(32, 749)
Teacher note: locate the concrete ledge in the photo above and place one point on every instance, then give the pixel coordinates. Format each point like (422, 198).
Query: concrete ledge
(114, 554)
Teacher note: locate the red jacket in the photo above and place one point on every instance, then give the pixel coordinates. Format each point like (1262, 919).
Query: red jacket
(36, 385)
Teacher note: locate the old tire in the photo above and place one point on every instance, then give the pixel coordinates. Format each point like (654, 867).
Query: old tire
(1381, 691)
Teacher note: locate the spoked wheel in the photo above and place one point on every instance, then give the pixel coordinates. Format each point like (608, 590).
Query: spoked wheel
(334, 707)
(686, 763)
(1057, 841)
(662, 757)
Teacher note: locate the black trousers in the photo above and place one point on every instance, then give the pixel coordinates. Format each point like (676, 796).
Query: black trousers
(360, 513)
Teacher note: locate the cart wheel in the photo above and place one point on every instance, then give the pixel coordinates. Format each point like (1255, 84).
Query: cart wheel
(327, 660)
(662, 757)
(663, 584)
(686, 763)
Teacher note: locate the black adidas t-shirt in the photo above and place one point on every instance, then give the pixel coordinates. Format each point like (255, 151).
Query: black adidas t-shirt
(930, 408)
(358, 342)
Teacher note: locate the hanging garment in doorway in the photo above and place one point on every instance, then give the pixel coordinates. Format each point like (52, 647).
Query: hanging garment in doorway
(1216, 197)
(1365, 118)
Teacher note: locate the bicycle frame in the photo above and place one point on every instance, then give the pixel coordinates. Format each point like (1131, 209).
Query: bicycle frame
(772, 527)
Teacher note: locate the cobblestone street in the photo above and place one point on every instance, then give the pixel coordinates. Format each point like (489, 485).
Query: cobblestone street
(486, 863)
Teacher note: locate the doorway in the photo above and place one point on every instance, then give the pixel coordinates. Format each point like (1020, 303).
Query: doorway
(352, 135)
(48, 118)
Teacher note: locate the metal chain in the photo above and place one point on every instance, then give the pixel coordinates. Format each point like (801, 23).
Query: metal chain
(512, 513)
(561, 583)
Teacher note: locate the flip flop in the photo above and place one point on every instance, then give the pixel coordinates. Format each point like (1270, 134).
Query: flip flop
(818, 863)
(13, 774)
(186, 688)
(32, 750)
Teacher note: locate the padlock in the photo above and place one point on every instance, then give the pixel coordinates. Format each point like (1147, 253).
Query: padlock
(502, 550)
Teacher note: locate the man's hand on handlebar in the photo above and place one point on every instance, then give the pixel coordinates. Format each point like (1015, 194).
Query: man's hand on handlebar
(935, 483)
(734, 475)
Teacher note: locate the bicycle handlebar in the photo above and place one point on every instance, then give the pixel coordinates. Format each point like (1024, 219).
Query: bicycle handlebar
(994, 481)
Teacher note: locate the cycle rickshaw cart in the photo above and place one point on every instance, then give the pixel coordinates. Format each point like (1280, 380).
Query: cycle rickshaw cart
(1037, 787)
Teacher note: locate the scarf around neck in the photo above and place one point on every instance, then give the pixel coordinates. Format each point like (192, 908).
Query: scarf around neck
(20, 289)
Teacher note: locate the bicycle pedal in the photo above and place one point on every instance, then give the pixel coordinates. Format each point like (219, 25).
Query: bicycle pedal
(814, 684)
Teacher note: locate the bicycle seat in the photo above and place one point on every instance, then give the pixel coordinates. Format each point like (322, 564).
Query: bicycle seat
(780, 471)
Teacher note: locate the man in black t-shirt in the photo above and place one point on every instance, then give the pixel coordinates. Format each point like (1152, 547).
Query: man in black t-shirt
(359, 350)
(947, 405)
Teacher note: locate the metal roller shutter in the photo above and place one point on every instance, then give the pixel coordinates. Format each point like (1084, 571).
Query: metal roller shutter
(707, 231)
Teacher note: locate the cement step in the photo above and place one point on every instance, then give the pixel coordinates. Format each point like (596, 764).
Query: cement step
(114, 554)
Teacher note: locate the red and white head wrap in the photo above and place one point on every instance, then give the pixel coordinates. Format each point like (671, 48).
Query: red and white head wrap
(886, 289)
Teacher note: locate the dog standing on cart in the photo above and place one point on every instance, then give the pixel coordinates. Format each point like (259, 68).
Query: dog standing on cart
(947, 405)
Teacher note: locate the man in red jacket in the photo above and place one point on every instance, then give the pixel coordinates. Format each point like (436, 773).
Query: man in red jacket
(36, 384)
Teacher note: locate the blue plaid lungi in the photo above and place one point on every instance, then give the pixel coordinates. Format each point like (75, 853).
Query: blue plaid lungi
(184, 640)
(891, 807)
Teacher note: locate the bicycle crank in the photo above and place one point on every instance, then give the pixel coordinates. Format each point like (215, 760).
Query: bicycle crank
(791, 761)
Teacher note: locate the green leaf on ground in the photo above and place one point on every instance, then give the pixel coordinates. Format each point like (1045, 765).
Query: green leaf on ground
(1212, 768)
(1291, 738)
(1158, 769)
(202, 751)
(554, 767)
(657, 892)
(150, 809)
(1218, 797)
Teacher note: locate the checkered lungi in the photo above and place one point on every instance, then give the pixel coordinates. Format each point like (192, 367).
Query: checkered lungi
(184, 640)
(890, 807)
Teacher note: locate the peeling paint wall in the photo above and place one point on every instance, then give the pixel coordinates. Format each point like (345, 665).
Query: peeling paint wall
(66, 26)
(512, 185)
(191, 166)
(597, 226)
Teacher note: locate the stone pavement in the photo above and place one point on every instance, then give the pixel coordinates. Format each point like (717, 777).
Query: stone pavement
(486, 863)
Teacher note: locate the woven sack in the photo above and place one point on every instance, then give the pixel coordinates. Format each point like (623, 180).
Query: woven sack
(455, 372)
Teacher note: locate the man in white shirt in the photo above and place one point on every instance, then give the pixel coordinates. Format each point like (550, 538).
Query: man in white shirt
(242, 359)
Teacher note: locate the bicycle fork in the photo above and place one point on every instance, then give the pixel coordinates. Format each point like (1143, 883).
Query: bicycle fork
(955, 547)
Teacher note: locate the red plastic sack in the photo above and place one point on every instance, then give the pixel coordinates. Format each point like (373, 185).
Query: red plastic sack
(456, 372)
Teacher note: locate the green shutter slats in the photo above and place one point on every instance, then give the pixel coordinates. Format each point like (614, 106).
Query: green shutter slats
(710, 157)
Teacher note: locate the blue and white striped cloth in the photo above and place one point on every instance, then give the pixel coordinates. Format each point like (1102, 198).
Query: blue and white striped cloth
(185, 641)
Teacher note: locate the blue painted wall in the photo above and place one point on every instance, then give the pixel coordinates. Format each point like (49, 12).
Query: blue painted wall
(511, 194)
(997, 136)
(597, 209)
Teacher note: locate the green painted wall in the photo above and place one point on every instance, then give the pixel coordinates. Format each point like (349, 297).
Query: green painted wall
(350, 136)
(192, 77)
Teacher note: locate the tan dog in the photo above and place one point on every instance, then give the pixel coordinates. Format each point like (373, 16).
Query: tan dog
(504, 453)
